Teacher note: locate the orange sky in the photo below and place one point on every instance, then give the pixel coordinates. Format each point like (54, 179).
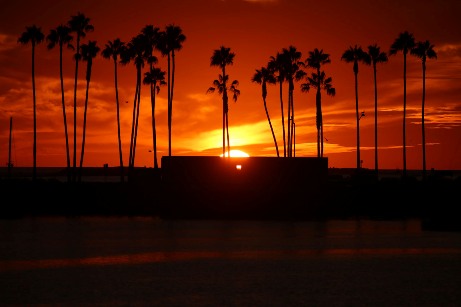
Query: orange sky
(254, 30)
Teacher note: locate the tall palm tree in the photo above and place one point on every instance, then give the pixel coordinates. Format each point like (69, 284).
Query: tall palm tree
(404, 42)
(170, 41)
(424, 50)
(89, 52)
(276, 64)
(319, 82)
(220, 85)
(355, 55)
(113, 50)
(376, 56)
(60, 36)
(263, 76)
(155, 78)
(293, 72)
(315, 60)
(152, 36)
(136, 52)
(221, 58)
(80, 25)
(34, 36)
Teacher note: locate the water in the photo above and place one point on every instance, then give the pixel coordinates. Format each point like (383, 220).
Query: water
(150, 262)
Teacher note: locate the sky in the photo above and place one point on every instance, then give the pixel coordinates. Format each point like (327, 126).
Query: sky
(255, 30)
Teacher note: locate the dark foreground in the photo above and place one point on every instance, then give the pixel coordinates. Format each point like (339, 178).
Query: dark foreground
(435, 200)
(143, 261)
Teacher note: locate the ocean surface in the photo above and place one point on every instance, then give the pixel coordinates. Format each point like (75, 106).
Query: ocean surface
(131, 261)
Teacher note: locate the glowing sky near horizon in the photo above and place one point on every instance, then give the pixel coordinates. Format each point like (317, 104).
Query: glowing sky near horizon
(254, 30)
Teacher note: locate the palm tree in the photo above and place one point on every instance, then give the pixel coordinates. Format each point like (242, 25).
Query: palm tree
(152, 36)
(113, 49)
(276, 64)
(263, 76)
(61, 36)
(316, 59)
(404, 42)
(220, 85)
(170, 40)
(89, 52)
(293, 72)
(155, 78)
(136, 51)
(34, 36)
(79, 24)
(376, 56)
(424, 50)
(221, 58)
(355, 55)
(319, 82)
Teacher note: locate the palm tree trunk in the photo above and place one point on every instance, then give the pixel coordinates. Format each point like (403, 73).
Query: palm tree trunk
(171, 99)
(227, 129)
(137, 116)
(34, 151)
(152, 102)
(154, 130)
(283, 120)
(423, 132)
(318, 123)
(376, 119)
(272, 129)
(130, 164)
(74, 167)
(289, 124)
(82, 153)
(226, 118)
(223, 128)
(357, 119)
(122, 176)
(169, 105)
(291, 119)
(404, 113)
(64, 113)
(319, 108)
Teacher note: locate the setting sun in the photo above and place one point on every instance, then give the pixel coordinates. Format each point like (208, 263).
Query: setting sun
(236, 154)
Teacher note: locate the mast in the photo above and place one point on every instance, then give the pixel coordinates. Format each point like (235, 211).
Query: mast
(10, 165)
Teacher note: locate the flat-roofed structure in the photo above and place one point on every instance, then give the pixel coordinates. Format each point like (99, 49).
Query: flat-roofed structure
(247, 187)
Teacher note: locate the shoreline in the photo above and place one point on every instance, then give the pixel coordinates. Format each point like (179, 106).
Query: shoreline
(344, 195)
(112, 174)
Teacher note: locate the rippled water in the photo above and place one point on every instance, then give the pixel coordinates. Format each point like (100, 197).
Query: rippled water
(146, 261)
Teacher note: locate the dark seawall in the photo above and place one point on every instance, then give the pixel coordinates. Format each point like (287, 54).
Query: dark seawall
(239, 188)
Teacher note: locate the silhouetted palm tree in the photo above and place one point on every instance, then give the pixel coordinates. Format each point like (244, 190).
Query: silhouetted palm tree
(220, 85)
(89, 52)
(155, 78)
(276, 64)
(293, 72)
(61, 36)
(404, 42)
(319, 82)
(355, 55)
(315, 60)
(152, 36)
(376, 56)
(113, 50)
(80, 25)
(424, 50)
(136, 51)
(170, 40)
(263, 76)
(221, 58)
(34, 36)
